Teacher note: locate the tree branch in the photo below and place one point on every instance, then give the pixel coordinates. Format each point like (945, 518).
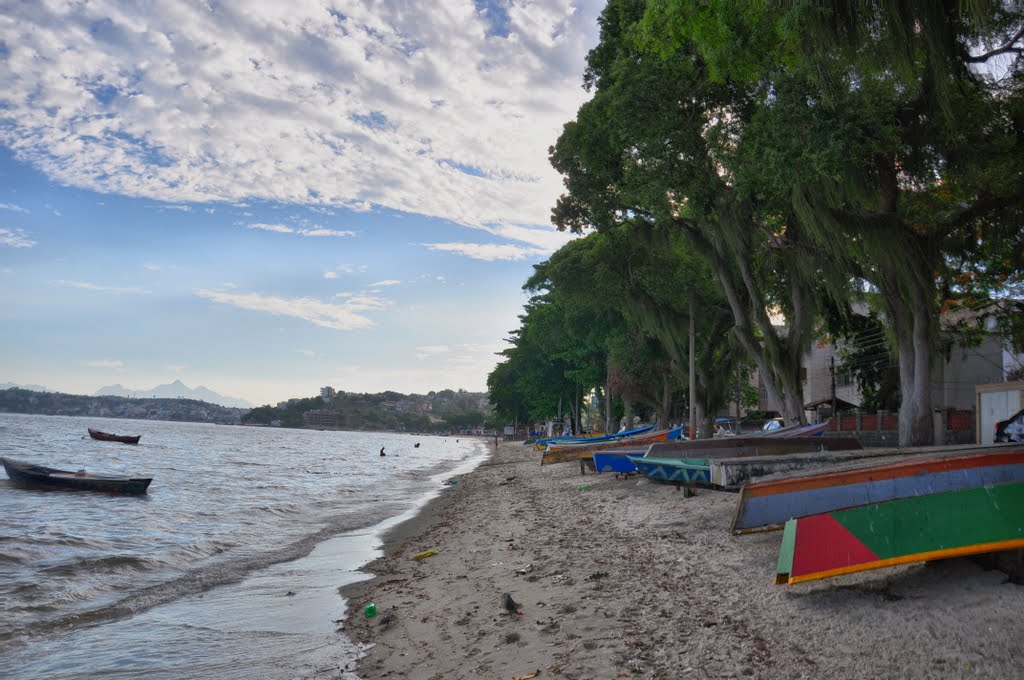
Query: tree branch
(1008, 47)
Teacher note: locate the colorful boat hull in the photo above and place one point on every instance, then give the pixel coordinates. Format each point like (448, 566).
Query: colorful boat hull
(673, 470)
(903, 531)
(768, 505)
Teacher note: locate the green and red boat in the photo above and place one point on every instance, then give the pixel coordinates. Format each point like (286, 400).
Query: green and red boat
(902, 531)
(768, 505)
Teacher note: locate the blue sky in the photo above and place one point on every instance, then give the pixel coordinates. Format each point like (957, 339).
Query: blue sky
(264, 198)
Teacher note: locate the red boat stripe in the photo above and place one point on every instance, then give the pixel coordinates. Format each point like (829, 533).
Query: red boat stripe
(822, 544)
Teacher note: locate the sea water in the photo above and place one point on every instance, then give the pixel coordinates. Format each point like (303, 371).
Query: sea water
(229, 567)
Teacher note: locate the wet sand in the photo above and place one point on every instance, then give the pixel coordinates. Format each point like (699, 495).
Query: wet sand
(631, 579)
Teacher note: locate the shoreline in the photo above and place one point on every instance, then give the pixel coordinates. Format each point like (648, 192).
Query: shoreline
(619, 577)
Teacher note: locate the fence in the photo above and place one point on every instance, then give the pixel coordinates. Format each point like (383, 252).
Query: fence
(882, 427)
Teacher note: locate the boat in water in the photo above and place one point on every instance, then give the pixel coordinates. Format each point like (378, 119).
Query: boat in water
(107, 437)
(31, 474)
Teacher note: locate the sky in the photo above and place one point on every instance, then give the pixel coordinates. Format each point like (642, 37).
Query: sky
(265, 198)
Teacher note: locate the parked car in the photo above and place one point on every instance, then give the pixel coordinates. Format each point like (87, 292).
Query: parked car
(1011, 429)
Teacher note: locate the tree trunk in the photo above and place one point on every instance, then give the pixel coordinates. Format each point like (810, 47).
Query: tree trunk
(608, 408)
(666, 401)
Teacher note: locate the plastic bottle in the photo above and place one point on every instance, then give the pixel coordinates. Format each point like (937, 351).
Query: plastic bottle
(370, 610)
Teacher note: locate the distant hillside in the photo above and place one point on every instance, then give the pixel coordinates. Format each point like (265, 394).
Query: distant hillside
(34, 388)
(14, 400)
(174, 390)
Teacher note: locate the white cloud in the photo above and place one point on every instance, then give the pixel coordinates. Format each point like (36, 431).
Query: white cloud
(314, 231)
(330, 275)
(279, 228)
(116, 290)
(175, 368)
(115, 364)
(15, 238)
(488, 251)
(325, 232)
(430, 351)
(385, 282)
(151, 266)
(11, 206)
(446, 111)
(306, 352)
(346, 316)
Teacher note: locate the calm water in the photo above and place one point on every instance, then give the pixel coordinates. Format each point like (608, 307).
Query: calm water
(228, 567)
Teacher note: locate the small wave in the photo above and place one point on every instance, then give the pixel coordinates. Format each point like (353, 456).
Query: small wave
(106, 565)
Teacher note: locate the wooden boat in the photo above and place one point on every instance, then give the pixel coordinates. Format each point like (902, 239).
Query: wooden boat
(38, 475)
(107, 437)
(902, 531)
(676, 471)
(768, 505)
(696, 461)
(815, 430)
(568, 453)
(750, 446)
(548, 444)
(616, 460)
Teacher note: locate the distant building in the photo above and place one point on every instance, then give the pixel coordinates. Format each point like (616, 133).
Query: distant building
(327, 393)
(320, 418)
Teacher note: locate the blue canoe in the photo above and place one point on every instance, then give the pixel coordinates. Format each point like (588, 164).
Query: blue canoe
(616, 460)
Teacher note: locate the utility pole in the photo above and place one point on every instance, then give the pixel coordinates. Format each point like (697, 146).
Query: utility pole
(832, 369)
(737, 398)
(693, 365)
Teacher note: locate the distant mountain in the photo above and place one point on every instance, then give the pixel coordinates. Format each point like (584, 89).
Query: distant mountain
(175, 390)
(34, 388)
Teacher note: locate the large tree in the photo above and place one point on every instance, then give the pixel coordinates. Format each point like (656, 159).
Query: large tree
(805, 148)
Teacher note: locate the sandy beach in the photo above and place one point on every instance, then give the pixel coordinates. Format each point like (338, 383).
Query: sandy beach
(630, 579)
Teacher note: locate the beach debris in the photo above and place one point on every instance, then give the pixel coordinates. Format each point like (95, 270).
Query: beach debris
(425, 554)
(451, 482)
(511, 605)
(525, 570)
(370, 610)
(508, 480)
(527, 676)
(289, 593)
(583, 487)
(387, 619)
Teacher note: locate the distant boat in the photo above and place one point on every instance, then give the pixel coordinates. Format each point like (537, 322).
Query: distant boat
(107, 437)
(38, 475)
